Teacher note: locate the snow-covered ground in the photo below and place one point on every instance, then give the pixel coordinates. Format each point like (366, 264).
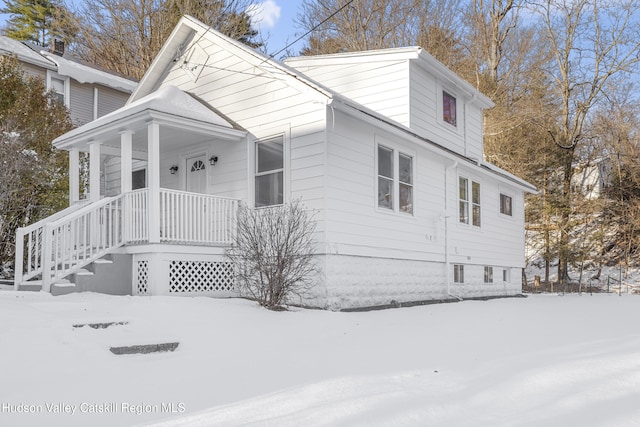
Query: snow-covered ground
(546, 360)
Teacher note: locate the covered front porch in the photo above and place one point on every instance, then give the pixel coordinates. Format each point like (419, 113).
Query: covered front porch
(150, 173)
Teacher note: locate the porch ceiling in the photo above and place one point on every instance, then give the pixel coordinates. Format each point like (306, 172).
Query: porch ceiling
(183, 121)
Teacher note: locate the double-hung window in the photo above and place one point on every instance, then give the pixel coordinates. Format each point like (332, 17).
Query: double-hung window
(269, 173)
(395, 176)
(469, 201)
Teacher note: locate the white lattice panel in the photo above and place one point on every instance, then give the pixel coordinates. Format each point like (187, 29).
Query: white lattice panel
(142, 278)
(200, 276)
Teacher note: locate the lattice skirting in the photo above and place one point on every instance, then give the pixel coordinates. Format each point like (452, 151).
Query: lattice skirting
(200, 276)
(142, 278)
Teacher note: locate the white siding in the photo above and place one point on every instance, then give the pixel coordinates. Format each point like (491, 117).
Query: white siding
(264, 105)
(380, 85)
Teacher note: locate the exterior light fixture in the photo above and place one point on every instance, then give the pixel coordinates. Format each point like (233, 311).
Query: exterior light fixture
(173, 169)
(213, 160)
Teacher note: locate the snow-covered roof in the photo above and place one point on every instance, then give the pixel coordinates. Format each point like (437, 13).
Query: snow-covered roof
(168, 100)
(85, 74)
(9, 46)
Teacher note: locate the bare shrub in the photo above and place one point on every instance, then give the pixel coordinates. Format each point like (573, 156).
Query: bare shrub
(273, 253)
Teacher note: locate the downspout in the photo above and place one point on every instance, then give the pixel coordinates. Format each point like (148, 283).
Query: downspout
(447, 264)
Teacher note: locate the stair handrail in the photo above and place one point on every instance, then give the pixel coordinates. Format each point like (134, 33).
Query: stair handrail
(58, 258)
(21, 232)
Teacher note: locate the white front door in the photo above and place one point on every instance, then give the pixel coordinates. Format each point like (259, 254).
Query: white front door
(197, 174)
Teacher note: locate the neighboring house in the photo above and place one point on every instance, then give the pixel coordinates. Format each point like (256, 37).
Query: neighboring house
(591, 178)
(386, 146)
(89, 93)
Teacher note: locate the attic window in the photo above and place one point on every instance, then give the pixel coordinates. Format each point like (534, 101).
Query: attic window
(194, 62)
(449, 109)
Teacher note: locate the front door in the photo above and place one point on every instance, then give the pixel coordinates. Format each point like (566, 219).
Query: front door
(197, 174)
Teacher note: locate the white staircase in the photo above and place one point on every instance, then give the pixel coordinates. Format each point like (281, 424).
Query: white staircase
(63, 244)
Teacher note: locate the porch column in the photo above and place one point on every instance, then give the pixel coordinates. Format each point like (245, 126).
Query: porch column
(74, 176)
(126, 155)
(94, 171)
(153, 171)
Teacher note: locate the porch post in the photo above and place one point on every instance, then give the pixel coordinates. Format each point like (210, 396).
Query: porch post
(126, 155)
(153, 170)
(74, 176)
(94, 171)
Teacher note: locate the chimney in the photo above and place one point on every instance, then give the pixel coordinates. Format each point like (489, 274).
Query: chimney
(57, 47)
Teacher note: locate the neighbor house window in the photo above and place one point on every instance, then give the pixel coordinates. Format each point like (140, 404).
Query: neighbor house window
(505, 275)
(469, 199)
(57, 86)
(449, 109)
(458, 273)
(488, 274)
(505, 204)
(269, 174)
(392, 164)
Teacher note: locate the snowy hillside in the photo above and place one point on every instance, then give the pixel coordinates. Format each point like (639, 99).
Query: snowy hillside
(539, 361)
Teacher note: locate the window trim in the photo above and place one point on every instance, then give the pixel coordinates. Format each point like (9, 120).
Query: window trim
(488, 274)
(510, 214)
(255, 173)
(396, 152)
(446, 94)
(67, 86)
(469, 202)
(458, 273)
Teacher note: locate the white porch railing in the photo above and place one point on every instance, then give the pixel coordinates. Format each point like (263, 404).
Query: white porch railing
(68, 241)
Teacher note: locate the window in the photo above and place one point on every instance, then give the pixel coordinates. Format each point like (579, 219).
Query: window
(505, 205)
(464, 202)
(385, 177)
(458, 273)
(57, 86)
(138, 179)
(269, 182)
(449, 109)
(390, 164)
(488, 274)
(505, 275)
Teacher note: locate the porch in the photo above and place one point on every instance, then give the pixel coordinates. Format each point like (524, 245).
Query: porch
(55, 248)
(165, 175)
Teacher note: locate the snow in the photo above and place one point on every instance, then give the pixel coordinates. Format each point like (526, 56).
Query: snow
(85, 74)
(545, 360)
(167, 100)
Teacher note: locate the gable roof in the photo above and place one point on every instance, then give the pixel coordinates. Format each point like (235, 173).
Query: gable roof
(64, 66)
(189, 31)
(9, 46)
(168, 102)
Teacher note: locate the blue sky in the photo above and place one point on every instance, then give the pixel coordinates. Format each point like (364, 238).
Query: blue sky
(274, 17)
(276, 20)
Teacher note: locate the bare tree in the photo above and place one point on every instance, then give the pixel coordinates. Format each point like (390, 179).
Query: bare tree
(273, 253)
(124, 36)
(593, 43)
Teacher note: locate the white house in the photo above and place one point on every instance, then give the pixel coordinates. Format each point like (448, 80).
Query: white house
(386, 146)
(87, 92)
(592, 178)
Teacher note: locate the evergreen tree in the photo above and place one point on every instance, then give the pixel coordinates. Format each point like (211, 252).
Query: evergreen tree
(30, 19)
(33, 177)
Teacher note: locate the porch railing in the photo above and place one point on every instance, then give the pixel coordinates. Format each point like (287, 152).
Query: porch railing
(66, 242)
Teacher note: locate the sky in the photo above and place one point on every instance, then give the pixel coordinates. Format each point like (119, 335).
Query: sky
(275, 19)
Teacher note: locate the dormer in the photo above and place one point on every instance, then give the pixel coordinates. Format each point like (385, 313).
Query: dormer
(409, 86)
